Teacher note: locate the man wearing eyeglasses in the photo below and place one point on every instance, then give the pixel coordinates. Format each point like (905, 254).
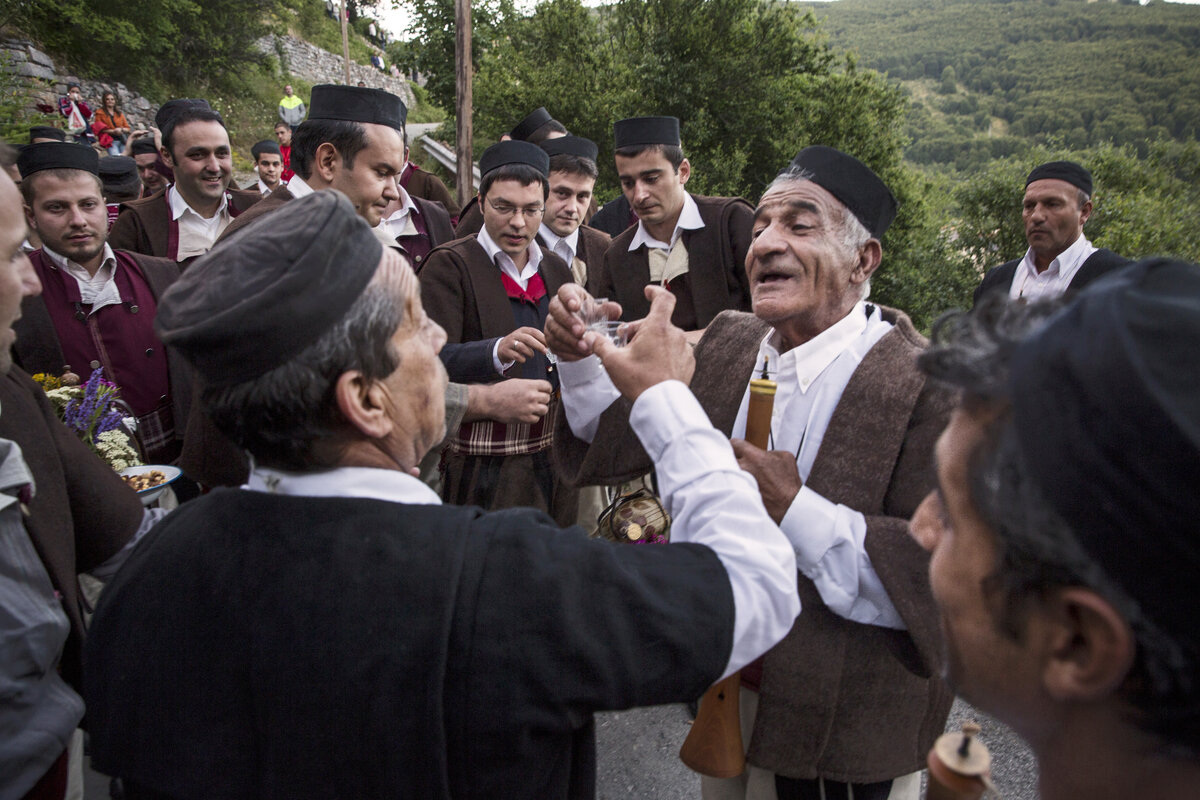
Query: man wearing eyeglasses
(491, 293)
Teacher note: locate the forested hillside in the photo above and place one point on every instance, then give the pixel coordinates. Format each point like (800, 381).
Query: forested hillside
(990, 77)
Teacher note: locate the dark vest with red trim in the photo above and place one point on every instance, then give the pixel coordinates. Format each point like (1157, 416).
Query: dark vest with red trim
(119, 337)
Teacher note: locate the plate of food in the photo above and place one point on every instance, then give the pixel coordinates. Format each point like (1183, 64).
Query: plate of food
(149, 481)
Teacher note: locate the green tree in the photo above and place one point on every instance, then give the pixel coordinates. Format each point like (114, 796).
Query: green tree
(155, 44)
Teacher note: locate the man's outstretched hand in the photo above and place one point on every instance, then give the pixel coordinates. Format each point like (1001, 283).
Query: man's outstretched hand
(658, 351)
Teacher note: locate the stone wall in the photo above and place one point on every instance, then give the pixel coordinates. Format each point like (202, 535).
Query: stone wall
(307, 61)
(297, 57)
(49, 82)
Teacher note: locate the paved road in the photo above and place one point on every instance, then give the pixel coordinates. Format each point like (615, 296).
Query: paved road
(638, 755)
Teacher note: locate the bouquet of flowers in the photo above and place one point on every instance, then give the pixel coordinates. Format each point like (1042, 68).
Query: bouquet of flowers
(94, 413)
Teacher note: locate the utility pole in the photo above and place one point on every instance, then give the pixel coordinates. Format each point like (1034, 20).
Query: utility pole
(345, 43)
(462, 99)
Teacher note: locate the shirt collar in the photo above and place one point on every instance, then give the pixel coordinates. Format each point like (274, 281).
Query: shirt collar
(370, 483)
(62, 262)
(179, 206)
(265, 190)
(1064, 265)
(552, 239)
(689, 220)
(805, 362)
(298, 188)
(498, 256)
(406, 206)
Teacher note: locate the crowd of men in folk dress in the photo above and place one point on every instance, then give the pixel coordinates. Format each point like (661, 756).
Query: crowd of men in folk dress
(407, 430)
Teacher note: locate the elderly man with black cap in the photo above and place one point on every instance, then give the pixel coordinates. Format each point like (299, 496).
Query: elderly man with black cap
(693, 246)
(330, 629)
(491, 293)
(1057, 204)
(1064, 534)
(850, 701)
(183, 221)
(98, 302)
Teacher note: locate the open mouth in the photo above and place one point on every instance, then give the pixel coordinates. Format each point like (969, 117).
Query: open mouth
(766, 277)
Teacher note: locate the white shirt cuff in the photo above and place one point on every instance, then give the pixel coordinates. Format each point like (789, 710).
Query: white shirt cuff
(715, 503)
(501, 367)
(587, 392)
(830, 544)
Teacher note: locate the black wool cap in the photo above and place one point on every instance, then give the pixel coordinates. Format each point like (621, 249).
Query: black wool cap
(47, 132)
(1106, 410)
(571, 146)
(171, 109)
(117, 169)
(514, 152)
(357, 104)
(57, 155)
(1074, 174)
(853, 183)
(638, 131)
(265, 146)
(534, 120)
(143, 146)
(263, 295)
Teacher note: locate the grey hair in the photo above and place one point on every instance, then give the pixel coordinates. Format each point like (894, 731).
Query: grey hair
(1037, 551)
(850, 231)
(283, 415)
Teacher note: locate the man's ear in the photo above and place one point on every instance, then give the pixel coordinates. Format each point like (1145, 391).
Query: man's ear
(1090, 647)
(327, 161)
(29, 218)
(685, 172)
(361, 402)
(165, 154)
(870, 255)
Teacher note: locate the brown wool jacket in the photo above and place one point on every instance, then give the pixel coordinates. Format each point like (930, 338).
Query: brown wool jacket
(716, 279)
(839, 700)
(430, 187)
(144, 226)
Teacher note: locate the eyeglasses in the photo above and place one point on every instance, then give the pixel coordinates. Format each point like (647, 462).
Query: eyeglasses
(505, 210)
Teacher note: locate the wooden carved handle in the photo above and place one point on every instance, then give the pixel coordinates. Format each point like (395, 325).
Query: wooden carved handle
(714, 744)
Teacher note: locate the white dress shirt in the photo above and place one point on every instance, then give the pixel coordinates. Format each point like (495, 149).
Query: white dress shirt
(828, 538)
(689, 220)
(565, 247)
(1030, 284)
(99, 290)
(196, 233)
(711, 501)
(509, 267)
(265, 190)
(400, 223)
(298, 187)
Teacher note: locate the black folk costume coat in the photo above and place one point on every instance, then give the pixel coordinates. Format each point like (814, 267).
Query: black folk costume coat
(276, 647)
(1097, 264)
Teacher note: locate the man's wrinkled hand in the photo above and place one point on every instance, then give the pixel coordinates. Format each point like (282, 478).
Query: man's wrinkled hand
(565, 332)
(520, 345)
(775, 470)
(658, 351)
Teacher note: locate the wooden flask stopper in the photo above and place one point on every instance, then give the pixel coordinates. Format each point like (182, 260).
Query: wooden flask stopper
(959, 766)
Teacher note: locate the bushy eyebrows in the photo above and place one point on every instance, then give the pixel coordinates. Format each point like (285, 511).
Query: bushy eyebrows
(792, 207)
